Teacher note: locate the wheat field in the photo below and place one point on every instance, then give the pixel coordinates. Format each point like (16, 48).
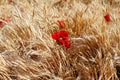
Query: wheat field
(28, 52)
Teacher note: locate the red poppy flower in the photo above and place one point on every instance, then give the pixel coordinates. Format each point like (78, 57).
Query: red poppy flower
(107, 17)
(65, 42)
(60, 34)
(1, 24)
(61, 23)
(62, 38)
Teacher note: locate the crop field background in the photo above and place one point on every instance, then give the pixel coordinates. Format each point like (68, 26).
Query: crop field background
(59, 39)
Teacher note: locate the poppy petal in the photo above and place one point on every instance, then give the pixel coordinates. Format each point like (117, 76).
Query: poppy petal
(55, 36)
(64, 33)
(1, 24)
(65, 43)
(62, 38)
(107, 17)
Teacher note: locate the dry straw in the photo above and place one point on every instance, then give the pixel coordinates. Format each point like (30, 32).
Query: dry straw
(27, 51)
